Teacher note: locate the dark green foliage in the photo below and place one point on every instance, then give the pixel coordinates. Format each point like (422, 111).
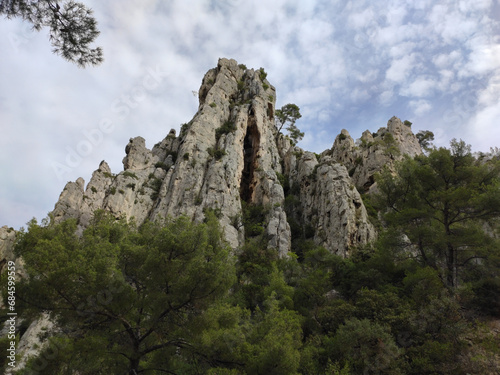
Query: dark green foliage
(367, 346)
(262, 74)
(122, 293)
(184, 130)
(342, 136)
(186, 156)
(439, 201)
(407, 123)
(242, 66)
(226, 128)
(72, 27)
(161, 165)
(155, 184)
(216, 153)
(425, 138)
(253, 219)
(289, 114)
(129, 174)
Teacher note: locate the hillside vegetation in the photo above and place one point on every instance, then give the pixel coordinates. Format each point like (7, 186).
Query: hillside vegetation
(170, 297)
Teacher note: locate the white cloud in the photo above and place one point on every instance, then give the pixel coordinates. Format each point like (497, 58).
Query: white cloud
(420, 87)
(400, 69)
(420, 107)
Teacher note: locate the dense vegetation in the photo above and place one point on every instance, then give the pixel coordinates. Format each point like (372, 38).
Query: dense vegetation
(170, 298)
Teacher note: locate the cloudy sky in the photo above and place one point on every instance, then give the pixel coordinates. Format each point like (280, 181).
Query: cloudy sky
(346, 64)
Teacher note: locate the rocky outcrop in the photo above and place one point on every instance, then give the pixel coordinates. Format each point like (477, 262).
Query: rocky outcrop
(373, 151)
(7, 240)
(225, 155)
(230, 156)
(331, 209)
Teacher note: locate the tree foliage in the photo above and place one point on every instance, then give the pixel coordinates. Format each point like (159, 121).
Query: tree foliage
(289, 114)
(441, 202)
(72, 27)
(425, 138)
(123, 294)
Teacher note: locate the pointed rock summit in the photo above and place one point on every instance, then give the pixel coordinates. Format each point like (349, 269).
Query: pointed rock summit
(230, 157)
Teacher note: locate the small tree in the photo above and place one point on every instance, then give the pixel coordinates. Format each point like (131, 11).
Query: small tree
(289, 114)
(425, 138)
(72, 28)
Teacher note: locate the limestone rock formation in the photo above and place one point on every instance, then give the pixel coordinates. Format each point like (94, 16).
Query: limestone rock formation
(7, 239)
(374, 151)
(331, 209)
(230, 156)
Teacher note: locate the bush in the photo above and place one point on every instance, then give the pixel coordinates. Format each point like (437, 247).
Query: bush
(216, 153)
(130, 174)
(226, 128)
(369, 346)
(161, 165)
(262, 74)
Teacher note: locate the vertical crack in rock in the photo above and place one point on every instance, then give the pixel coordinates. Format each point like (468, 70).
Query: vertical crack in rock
(250, 148)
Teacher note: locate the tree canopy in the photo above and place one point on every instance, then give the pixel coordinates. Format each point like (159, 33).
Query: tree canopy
(289, 114)
(72, 27)
(124, 294)
(442, 202)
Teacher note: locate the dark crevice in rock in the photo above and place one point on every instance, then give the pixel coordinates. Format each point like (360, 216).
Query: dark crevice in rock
(250, 148)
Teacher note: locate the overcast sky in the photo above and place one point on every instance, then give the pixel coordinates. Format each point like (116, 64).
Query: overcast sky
(346, 64)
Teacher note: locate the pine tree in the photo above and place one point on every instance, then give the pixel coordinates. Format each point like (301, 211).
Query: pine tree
(442, 202)
(72, 27)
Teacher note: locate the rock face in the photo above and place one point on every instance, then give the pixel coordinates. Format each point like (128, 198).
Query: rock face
(331, 208)
(7, 239)
(374, 151)
(229, 156)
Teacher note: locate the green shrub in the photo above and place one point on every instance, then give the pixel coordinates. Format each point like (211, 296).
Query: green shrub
(186, 156)
(130, 174)
(184, 129)
(242, 66)
(216, 153)
(161, 165)
(94, 190)
(262, 74)
(213, 105)
(131, 186)
(226, 128)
